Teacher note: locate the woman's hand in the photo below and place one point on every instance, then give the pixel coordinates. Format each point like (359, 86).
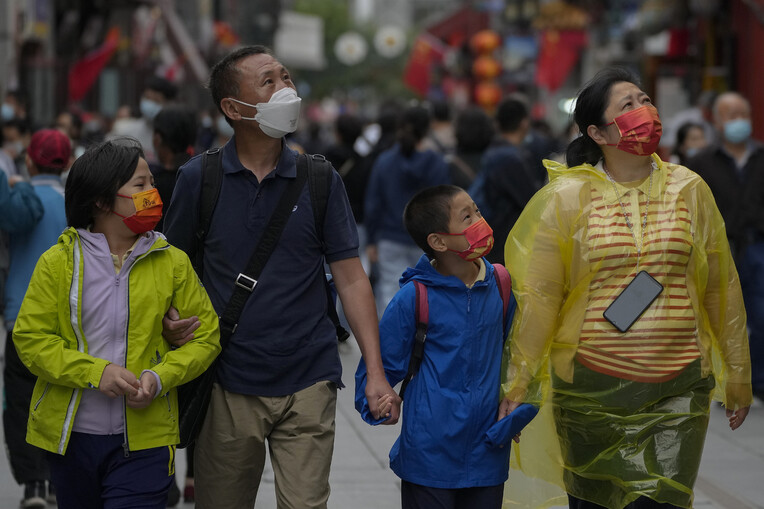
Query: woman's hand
(737, 417)
(506, 407)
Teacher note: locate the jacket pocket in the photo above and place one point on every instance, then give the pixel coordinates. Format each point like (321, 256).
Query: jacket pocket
(39, 399)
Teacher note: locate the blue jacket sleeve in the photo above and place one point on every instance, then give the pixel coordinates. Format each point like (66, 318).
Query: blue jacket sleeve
(396, 341)
(20, 207)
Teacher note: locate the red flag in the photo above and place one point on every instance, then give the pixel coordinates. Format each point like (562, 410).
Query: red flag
(85, 71)
(427, 50)
(558, 54)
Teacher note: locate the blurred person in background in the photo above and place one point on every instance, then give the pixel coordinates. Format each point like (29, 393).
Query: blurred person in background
(13, 106)
(474, 132)
(36, 219)
(441, 137)
(397, 174)
(699, 113)
(733, 167)
(16, 136)
(70, 123)
(507, 180)
(157, 93)
(690, 140)
(174, 137)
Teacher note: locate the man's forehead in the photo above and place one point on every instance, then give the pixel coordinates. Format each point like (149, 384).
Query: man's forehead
(260, 63)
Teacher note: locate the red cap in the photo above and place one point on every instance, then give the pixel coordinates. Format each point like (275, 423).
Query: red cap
(50, 148)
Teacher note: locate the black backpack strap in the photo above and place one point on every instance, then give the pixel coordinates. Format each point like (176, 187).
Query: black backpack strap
(320, 185)
(247, 280)
(421, 318)
(212, 180)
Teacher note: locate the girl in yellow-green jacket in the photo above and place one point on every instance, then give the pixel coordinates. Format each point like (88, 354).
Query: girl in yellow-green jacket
(90, 329)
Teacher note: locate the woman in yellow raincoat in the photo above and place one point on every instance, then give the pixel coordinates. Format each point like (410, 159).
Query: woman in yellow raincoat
(630, 408)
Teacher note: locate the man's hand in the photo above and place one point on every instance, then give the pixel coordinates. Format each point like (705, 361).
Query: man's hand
(14, 179)
(145, 394)
(737, 417)
(117, 381)
(178, 332)
(378, 390)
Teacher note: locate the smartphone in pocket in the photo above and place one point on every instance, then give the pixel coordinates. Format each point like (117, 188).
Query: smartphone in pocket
(633, 301)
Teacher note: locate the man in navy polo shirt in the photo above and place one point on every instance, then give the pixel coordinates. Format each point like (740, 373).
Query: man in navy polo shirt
(278, 376)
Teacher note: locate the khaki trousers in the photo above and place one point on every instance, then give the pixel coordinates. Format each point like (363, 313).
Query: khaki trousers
(230, 450)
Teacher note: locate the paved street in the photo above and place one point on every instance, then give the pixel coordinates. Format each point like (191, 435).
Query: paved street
(731, 475)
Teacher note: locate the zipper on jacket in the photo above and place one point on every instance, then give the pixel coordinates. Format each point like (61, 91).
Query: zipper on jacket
(44, 392)
(126, 443)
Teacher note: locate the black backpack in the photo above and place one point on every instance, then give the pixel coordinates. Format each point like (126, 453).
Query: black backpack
(319, 185)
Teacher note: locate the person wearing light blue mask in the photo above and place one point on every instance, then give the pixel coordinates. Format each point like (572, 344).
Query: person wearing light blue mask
(734, 170)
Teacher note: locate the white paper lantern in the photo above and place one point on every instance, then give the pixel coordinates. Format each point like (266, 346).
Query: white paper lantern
(390, 41)
(351, 48)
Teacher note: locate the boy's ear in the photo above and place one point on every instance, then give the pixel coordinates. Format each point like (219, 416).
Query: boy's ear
(436, 243)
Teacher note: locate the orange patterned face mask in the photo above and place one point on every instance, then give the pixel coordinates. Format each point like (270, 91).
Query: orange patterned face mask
(640, 130)
(480, 237)
(148, 211)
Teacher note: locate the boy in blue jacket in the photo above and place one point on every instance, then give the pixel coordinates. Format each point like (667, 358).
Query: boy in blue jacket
(441, 455)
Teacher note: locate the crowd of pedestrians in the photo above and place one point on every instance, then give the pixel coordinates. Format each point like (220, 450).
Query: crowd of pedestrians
(209, 236)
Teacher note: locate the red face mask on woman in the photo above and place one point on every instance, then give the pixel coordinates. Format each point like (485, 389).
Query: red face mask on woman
(640, 130)
(480, 237)
(148, 211)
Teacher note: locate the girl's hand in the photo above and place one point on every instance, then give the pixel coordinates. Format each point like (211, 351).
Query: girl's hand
(117, 381)
(145, 394)
(737, 417)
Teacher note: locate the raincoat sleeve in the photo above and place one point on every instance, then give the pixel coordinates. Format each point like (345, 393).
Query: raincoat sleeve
(37, 331)
(396, 341)
(723, 304)
(536, 252)
(183, 364)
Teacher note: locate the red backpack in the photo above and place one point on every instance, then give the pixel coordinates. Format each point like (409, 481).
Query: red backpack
(422, 316)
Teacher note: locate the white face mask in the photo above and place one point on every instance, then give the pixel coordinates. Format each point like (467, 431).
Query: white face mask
(279, 115)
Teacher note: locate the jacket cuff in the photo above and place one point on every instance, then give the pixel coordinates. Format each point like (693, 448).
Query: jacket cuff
(96, 372)
(159, 381)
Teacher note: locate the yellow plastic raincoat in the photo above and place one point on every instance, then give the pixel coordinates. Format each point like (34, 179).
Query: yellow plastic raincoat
(625, 414)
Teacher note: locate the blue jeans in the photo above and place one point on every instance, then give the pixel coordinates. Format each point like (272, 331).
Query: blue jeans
(392, 259)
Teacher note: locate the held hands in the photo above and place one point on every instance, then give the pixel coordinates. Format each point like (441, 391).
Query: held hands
(178, 332)
(148, 388)
(117, 381)
(506, 407)
(383, 401)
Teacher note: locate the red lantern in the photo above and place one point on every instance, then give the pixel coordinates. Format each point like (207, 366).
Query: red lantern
(486, 67)
(485, 41)
(487, 94)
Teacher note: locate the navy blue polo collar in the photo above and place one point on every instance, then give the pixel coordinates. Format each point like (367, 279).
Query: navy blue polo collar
(285, 167)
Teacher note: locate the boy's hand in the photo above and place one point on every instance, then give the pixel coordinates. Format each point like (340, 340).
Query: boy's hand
(117, 381)
(506, 407)
(376, 389)
(146, 392)
(737, 417)
(384, 405)
(178, 332)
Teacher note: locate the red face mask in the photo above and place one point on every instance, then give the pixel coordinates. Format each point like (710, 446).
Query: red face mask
(640, 130)
(480, 237)
(148, 211)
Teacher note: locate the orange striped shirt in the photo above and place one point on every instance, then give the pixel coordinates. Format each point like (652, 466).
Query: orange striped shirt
(664, 340)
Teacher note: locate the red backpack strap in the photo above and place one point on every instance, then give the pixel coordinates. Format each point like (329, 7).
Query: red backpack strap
(504, 281)
(421, 318)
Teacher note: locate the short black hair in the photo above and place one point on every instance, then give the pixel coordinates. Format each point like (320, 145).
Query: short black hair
(163, 86)
(415, 123)
(429, 211)
(349, 128)
(224, 76)
(96, 176)
(176, 125)
(440, 111)
(473, 130)
(510, 114)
